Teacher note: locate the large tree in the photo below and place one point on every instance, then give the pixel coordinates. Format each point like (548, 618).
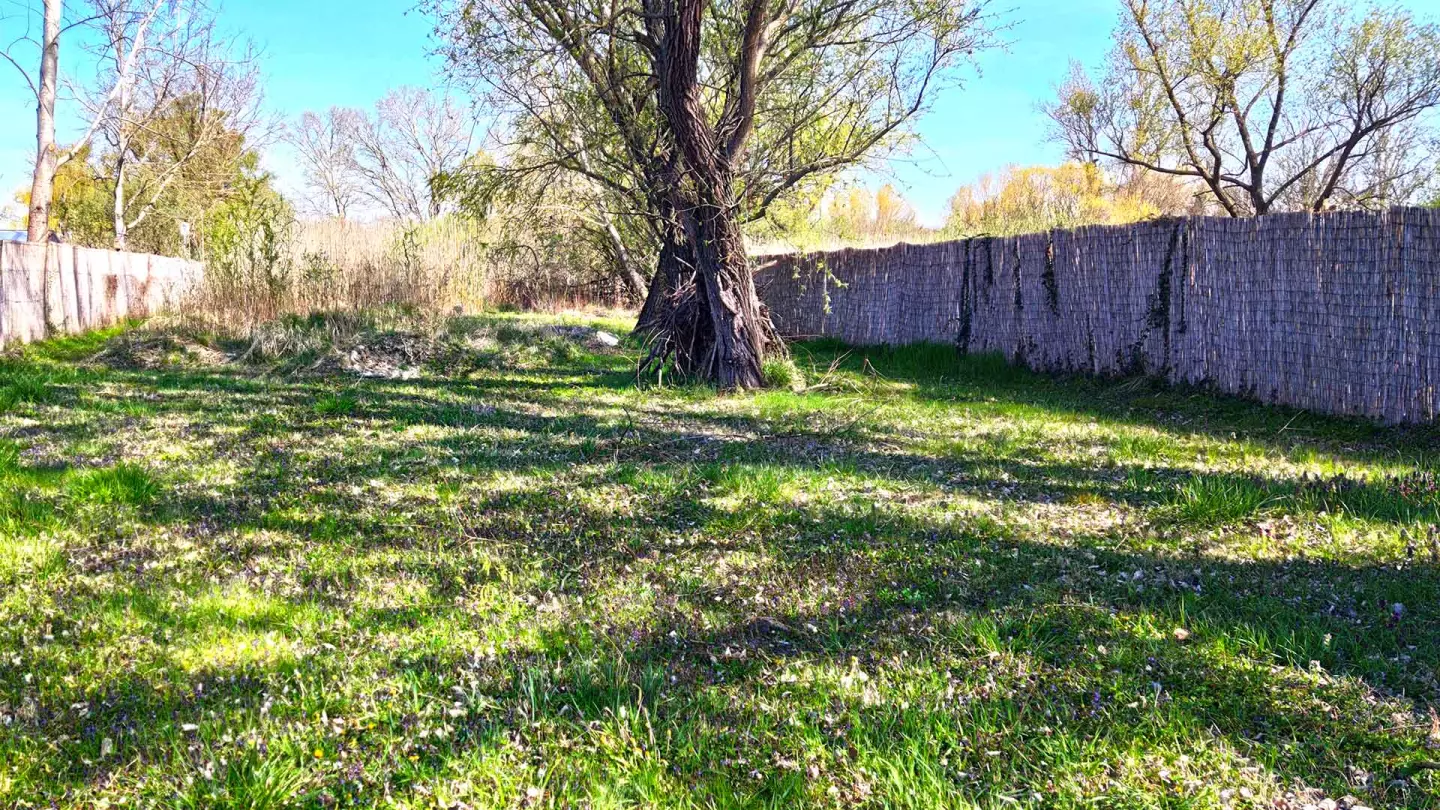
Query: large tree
(695, 117)
(1268, 104)
(187, 71)
(44, 84)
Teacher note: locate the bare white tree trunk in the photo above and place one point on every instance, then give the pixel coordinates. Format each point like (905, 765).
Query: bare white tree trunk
(42, 188)
(48, 158)
(122, 143)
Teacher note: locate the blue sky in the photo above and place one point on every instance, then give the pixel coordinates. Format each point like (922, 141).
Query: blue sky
(316, 53)
(319, 53)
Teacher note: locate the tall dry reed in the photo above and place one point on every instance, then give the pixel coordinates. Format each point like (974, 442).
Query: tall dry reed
(435, 267)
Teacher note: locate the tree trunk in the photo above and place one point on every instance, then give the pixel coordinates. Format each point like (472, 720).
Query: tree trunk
(121, 229)
(633, 286)
(42, 188)
(122, 144)
(630, 279)
(731, 353)
(716, 327)
(673, 265)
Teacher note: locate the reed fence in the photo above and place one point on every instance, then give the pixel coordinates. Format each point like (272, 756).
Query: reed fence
(1337, 313)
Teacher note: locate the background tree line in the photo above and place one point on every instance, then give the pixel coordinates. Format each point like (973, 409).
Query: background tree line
(171, 109)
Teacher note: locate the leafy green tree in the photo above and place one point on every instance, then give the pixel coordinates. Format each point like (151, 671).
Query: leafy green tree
(185, 170)
(693, 118)
(1267, 104)
(191, 188)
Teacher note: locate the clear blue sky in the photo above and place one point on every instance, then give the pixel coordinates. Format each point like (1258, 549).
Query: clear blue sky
(320, 53)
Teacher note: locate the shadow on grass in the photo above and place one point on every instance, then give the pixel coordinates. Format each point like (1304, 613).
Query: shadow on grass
(638, 578)
(938, 373)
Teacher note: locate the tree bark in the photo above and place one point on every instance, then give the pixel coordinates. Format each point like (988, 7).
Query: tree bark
(42, 187)
(725, 287)
(122, 143)
(674, 266)
(713, 326)
(663, 283)
(121, 230)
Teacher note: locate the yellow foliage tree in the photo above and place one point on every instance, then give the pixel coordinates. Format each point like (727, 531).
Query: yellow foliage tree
(1041, 198)
(893, 214)
(860, 216)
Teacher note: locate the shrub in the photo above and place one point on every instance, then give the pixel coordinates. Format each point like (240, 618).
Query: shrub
(783, 373)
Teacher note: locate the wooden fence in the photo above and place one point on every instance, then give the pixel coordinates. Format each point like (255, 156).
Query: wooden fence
(51, 289)
(1337, 313)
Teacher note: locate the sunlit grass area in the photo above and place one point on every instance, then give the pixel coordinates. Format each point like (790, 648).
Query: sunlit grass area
(495, 573)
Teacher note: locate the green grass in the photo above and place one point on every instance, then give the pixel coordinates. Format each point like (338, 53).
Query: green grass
(344, 404)
(1218, 500)
(125, 484)
(510, 578)
(22, 387)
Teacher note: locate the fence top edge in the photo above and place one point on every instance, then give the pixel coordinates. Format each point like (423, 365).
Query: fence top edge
(1289, 217)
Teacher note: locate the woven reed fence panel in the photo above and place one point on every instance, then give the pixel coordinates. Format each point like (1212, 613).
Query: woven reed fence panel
(1337, 313)
(51, 289)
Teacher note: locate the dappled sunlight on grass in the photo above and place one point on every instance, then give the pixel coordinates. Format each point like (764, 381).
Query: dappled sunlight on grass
(513, 578)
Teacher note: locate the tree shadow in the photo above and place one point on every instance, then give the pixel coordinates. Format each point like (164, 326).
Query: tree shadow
(692, 599)
(938, 373)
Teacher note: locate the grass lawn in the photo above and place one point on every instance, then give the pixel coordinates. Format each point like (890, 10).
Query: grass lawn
(513, 579)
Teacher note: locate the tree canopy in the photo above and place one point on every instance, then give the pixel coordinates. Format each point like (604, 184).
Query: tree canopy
(183, 172)
(693, 118)
(1268, 104)
(840, 86)
(1041, 198)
